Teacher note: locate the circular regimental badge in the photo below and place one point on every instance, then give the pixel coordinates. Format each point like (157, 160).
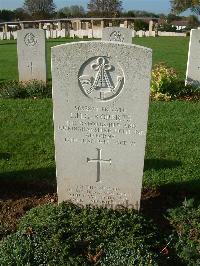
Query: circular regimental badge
(100, 79)
(30, 39)
(116, 36)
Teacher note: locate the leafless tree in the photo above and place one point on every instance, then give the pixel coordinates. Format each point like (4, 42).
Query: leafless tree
(105, 8)
(40, 9)
(179, 6)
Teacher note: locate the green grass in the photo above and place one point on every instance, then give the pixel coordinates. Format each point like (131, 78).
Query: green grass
(172, 152)
(26, 131)
(171, 50)
(8, 55)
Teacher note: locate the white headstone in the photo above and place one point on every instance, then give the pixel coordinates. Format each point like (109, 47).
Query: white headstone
(193, 65)
(8, 35)
(97, 33)
(63, 33)
(51, 33)
(72, 34)
(141, 33)
(101, 99)
(55, 34)
(117, 34)
(48, 34)
(31, 50)
(90, 33)
(133, 33)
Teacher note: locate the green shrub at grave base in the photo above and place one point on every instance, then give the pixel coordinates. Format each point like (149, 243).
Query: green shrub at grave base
(166, 86)
(71, 235)
(186, 222)
(4, 230)
(32, 89)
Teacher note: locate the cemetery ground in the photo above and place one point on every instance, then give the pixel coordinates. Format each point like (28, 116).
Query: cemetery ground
(171, 172)
(171, 50)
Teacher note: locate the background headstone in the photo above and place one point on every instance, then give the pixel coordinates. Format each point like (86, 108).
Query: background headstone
(117, 34)
(193, 65)
(31, 50)
(101, 98)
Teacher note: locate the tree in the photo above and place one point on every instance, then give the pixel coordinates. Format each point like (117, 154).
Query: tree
(193, 22)
(40, 9)
(140, 13)
(21, 14)
(105, 8)
(6, 15)
(171, 17)
(179, 6)
(77, 11)
(71, 11)
(141, 25)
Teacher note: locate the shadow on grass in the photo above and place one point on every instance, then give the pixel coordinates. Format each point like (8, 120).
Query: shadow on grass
(158, 164)
(156, 201)
(8, 43)
(20, 184)
(59, 40)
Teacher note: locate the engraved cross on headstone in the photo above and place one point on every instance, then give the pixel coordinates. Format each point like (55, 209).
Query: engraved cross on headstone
(99, 161)
(30, 65)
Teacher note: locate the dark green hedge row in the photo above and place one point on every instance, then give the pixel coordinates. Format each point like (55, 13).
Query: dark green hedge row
(33, 89)
(71, 235)
(168, 90)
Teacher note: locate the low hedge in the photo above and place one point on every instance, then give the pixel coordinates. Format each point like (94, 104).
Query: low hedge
(186, 223)
(71, 235)
(165, 86)
(32, 89)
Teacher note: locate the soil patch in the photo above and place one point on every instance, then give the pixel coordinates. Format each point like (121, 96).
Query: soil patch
(17, 199)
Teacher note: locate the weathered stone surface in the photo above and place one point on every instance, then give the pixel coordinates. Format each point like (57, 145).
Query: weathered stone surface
(31, 50)
(117, 34)
(101, 98)
(193, 65)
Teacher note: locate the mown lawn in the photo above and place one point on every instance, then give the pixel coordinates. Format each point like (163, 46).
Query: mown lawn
(172, 151)
(171, 50)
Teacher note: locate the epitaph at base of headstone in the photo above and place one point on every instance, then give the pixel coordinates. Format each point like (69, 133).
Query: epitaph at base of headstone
(117, 34)
(193, 64)
(101, 99)
(31, 50)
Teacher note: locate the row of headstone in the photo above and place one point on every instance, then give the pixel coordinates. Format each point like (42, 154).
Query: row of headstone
(100, 98)
(56, 33)
(11, 35)
(53, 34)
(31, 50)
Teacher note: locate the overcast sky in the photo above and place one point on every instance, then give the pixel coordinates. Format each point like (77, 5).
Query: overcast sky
(157, 6)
